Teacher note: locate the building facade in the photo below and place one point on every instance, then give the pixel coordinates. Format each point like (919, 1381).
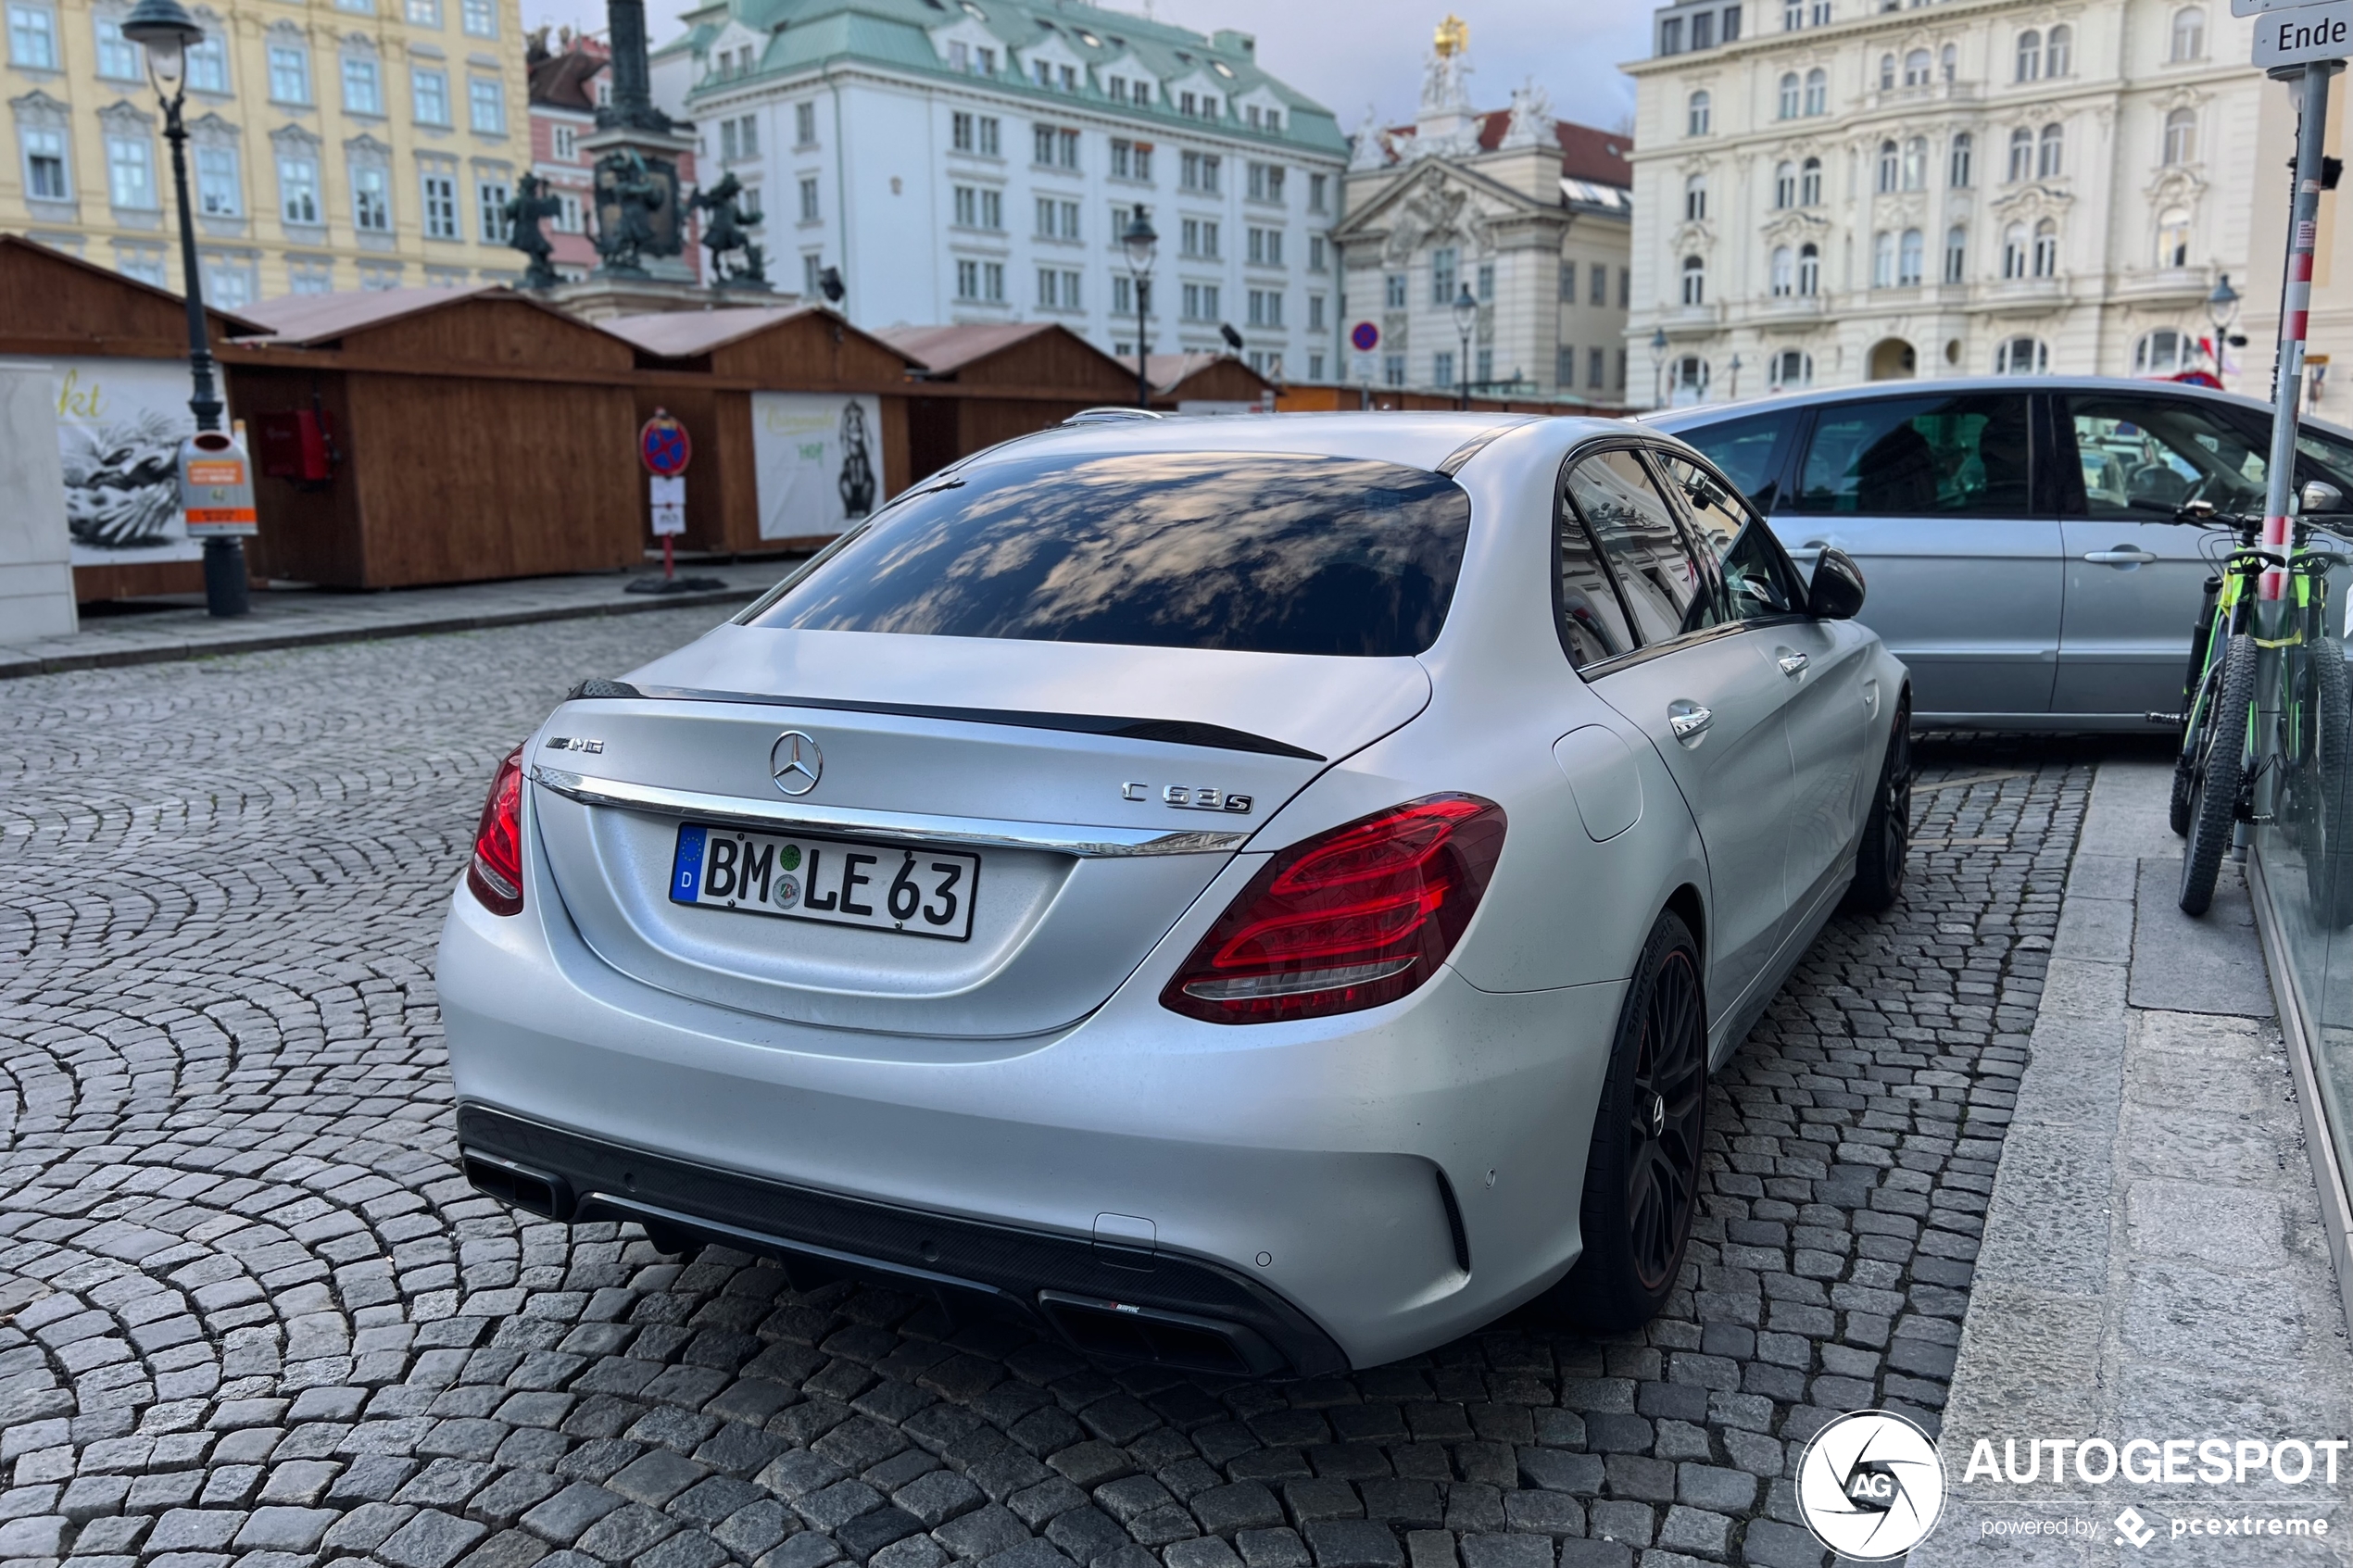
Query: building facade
(1835, 191)
(332, 144)
(1531, 214)
(979, 160)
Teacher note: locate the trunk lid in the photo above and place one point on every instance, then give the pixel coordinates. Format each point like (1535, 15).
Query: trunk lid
(1053, 763)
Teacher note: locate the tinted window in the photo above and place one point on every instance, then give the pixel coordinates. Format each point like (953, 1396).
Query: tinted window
(1664, 588)
(1918, 457)
(1758, 579)
(1243, 551)
(2143, 457)
(1593, 622)
(1749, 451)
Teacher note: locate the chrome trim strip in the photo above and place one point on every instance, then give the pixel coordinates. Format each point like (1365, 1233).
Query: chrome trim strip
(896, 827)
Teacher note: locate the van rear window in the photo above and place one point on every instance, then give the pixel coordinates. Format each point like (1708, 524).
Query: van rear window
(1249, 552)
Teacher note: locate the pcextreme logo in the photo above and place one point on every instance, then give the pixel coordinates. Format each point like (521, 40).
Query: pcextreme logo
(1870, 1486)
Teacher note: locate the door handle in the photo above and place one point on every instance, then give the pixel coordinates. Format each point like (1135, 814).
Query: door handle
(1793, 663)
(2122, 554)
(1688, 720)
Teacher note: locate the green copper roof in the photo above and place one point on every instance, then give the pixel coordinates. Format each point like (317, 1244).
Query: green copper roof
(809, 34)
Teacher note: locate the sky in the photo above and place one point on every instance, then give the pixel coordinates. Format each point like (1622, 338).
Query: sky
(1347, 54)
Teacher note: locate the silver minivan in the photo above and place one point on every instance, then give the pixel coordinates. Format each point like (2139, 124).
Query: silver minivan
(2019, 536)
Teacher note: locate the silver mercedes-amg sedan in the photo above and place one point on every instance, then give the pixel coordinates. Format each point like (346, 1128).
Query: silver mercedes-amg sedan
(1255, 893)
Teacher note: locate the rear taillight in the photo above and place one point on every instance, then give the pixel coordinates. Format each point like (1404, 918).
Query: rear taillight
(1351, 919)
(495, 876)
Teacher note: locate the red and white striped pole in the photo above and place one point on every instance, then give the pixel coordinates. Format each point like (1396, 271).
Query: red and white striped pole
(2295, 308)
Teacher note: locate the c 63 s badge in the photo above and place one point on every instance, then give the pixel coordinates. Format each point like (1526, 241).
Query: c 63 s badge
(1189, 797)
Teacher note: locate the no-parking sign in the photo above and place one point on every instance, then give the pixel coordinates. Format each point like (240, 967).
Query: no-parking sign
(663, 446)
(1363, 337)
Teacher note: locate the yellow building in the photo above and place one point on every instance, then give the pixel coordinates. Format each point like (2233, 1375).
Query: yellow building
(332, 144)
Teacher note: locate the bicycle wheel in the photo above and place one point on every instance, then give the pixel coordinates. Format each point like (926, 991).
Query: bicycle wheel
(2219, 765)
(2328, 828)
(2205, 694)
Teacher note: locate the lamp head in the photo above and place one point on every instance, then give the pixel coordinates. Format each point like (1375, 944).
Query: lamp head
(829, 283)
(1233, 339)
(1140, 241)
(2222, 305)
(1659, 346)
(1466, 309)
(166, 31)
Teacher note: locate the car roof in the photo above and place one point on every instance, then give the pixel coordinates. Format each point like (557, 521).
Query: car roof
(1701, 415)
(1413, 439)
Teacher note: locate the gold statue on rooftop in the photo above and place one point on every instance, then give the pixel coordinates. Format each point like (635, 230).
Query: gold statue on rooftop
(1454, 36)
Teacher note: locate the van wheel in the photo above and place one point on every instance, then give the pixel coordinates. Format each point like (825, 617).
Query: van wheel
(1641, 1174)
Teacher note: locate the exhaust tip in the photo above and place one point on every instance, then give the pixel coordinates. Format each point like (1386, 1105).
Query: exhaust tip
(533, 1192)
(1118, 1331)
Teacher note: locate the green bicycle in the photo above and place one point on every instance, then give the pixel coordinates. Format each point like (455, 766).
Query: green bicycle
(2268, 731)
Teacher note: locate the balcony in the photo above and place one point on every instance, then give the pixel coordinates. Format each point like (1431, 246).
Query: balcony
(1925, 95)
(2181, 285)
(2024, 297)
(1691, 317)
(1791, 307)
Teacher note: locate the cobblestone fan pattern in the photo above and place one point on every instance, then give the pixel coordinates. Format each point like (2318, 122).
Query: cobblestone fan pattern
(248, 1313)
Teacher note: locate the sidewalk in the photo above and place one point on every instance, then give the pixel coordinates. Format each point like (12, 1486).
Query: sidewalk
(294, 618)
(2153, 1264)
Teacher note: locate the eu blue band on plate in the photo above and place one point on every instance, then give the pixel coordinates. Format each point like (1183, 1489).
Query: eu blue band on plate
(686, 871)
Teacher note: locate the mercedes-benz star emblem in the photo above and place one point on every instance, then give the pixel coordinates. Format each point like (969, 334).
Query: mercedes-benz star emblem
(1658, 1115)
(796, 762)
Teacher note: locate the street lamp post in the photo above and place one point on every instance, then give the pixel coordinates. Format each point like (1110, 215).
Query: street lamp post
(1465, 318)
(1658, 367)
(1734, 394)
(2221, 309)
(166, 31)
(1139, 241)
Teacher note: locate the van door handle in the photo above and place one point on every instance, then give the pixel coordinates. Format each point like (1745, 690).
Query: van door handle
(1793, 663)
(2122, 554)
(1688, 720)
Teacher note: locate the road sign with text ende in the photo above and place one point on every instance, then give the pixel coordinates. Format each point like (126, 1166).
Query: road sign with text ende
(2305, 34)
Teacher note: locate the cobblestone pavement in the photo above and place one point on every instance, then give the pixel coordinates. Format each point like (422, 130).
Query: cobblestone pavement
(249, 1312)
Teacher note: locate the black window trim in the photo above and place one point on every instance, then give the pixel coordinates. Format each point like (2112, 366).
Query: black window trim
(1641, 652)
(1756, 516)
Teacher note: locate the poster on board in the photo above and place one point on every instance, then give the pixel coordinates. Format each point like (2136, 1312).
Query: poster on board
(819, 459)
(119, 426)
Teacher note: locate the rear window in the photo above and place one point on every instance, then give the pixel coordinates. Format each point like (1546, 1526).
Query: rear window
(1750, 452)
(1241, 551)
(1918, 457)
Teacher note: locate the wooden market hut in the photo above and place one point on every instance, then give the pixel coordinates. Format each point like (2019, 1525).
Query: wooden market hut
(705, 367)
(981, 384)
(469, 433)
(55, 307)
(1200, 377)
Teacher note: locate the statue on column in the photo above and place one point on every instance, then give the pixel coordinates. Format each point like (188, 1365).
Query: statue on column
(525, 211)
(724, 236)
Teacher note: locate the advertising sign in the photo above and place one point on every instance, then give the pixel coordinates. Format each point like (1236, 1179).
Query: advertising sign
(819, 460)
(119, 426)
(2305, 34)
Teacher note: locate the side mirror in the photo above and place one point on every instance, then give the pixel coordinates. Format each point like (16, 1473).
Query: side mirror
(1837, 593)
(2319, 496)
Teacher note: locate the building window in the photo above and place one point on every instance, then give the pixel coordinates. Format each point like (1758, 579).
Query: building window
(218, 191)
(1596, 364)
(804, 124)
(2046, 248)
(1053, 147)
(1266, 247)
(2163, 353)
(1199, 171)
(1201, 301)
(117, 57)
(1392, 370)
(1699, 114)
(362, 87)
(1955, 255)
(431, 89)
(1564, 369)
(1394, 291)
(1319, 193)
(479, 17)
(1887, 73)
(1130, 160)
(1789, 99)
(1266, 307)
(1487, 283)
(2021, 357)
(2021, 154)
(228, 284)
(1318, 254)
(1915, 164)
(1442, 367)
(490, 209)
(486, 105)
(1695, 281)
(370, 200)
(1959, 173)
(1057, 219)
(2189, 33)
(2059, 51)
(1790, 369)
(1057, 289)
(298, 188)
(1568, 282)
(1887, 168)
(809, 211)
(289, 74)
(32, 37)
(45, 165)
(1910, 259)
(1670, 35)
(1785, 273)
(2029, 57)
(423, 13)
(1598, 276)
(1688, 381)
(1818, 90)
(2181, 136)
(208, 65)
(1785, 186)
(1441, 276)
(1265, 182)
(440, 193)
(1703, 30)
(1695, 199)
(2014, 252)
(1809, 183)
(2052, 153)
(1948, 63)
(1809, 271)
(2173, 238)
(959, 131)
(1883, 260)
(1916, 68)
(131, 171)
(1316, 321)
(310, 277)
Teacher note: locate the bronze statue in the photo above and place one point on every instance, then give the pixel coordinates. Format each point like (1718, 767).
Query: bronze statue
(523, 212)
(723, 236)
(636, 212)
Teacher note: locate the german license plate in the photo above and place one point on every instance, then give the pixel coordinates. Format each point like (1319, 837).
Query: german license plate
(839, 882)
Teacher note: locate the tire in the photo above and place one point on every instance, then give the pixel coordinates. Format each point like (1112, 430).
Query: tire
(1887, 832)
(2184, 777)
(1641, 1174)
(2219, 765)
(2328, 831)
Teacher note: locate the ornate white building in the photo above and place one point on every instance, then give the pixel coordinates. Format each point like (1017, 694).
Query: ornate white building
(1835, 191)
(1529, 212)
